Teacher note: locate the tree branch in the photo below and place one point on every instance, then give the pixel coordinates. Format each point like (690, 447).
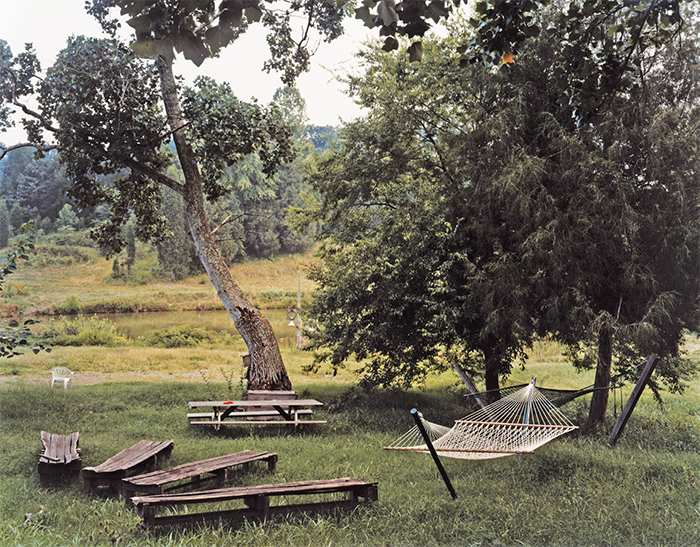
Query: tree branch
(28, 111)
(40, 147)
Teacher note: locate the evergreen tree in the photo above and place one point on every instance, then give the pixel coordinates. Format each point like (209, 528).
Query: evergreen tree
(4, 225)
(176, 254)
(130, 238)
(16, 216)
(67, 219)
(467, 213)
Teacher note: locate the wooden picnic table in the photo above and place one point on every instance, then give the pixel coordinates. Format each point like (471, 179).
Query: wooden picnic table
(257, 412)
(156, 481)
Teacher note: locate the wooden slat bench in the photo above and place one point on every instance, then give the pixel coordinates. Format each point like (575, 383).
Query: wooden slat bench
(262, 395)
(60, 458)
(256, 500)
(246, 414)
(156, 481)
(254, 412)
(141, 457)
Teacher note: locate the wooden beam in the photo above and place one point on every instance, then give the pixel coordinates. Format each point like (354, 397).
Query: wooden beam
(632, 401)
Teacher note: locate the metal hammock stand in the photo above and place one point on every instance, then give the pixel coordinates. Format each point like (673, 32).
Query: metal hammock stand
(517, 424)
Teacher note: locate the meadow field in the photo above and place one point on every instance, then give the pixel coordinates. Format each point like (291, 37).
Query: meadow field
(574, 491)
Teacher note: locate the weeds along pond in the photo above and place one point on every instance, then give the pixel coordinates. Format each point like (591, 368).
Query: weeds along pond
(141, 325)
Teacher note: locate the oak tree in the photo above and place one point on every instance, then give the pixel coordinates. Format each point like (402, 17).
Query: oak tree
(111, 109)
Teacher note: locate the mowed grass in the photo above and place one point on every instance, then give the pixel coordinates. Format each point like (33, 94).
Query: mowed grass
(574, 491)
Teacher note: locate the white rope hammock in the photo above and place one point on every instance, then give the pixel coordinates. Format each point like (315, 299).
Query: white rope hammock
(517, 424)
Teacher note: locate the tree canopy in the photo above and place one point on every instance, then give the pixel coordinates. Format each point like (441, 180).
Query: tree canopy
(112, 110)
(468, 213)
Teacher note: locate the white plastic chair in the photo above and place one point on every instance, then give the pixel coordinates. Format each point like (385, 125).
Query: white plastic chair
(61, 374)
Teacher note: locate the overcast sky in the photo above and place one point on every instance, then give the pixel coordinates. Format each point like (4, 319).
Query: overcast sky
(47, 23)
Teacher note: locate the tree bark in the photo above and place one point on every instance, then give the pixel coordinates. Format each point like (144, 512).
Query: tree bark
(267, 371)
(599, 400)
(492, 368)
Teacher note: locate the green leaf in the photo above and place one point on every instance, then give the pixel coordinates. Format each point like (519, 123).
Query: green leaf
(253, 14)
(386, 12)
(192, 47)
(141, 24)
(231, 18)
(390, 44)
(363, 14)
(415, 52)
(144, 47)
(216, 38)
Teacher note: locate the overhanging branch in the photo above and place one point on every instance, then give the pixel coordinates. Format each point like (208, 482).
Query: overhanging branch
(40, 147)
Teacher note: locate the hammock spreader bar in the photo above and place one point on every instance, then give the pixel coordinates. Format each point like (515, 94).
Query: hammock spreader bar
(419, 422)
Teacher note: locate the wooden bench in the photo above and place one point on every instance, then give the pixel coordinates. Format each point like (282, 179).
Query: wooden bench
(218, 469)
(259, 408)
(267, 413)
(60, 458)
(137, 459)
(245, 414)
(256, 500)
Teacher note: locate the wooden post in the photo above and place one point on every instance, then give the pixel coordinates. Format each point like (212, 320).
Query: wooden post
(632, 401)
(431, 448)
(468, 382)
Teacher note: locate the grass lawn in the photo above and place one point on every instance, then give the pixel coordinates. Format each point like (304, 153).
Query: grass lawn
(574, 491)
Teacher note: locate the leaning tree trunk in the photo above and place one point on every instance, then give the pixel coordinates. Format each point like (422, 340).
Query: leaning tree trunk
(599, 400)
(267, 371)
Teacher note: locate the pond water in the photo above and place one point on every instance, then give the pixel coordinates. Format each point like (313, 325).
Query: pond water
(134, 325)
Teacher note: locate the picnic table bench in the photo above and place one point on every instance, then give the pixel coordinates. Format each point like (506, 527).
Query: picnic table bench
(218, 469)
(143, 456)
(254, 412)
(256, 500)
(59, 458)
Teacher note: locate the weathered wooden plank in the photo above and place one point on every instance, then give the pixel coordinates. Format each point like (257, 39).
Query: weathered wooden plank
(258, 422)
(283, 489)
(155, 481)
(59, 448)
(60, 457)
(269, 402)
(245, 414)
(257, 500)
(130, 461)
(132, 456)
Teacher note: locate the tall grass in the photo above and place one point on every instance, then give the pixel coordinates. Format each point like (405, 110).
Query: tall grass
(574, 491)
(62, 279)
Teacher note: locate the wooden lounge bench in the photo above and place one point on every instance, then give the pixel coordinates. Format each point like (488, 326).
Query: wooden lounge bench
(256, 500)
(218, 469)
(60, 458)
(141, 457)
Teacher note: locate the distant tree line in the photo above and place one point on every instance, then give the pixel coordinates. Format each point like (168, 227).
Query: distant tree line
(250, 222)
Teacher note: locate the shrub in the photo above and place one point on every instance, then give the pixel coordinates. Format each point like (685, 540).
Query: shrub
(14, 288)
(180, 337)
(83, 331)
(72, 305)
